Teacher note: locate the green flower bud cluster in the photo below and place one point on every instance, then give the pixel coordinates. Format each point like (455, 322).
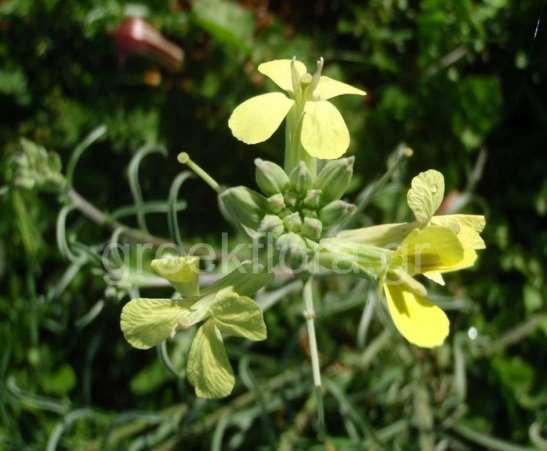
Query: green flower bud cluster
(297, 209)
(291, 203)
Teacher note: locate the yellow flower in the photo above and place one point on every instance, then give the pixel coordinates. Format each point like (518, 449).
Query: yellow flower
(424, 198)
(433, 249)
(431, 245)
(323, 132)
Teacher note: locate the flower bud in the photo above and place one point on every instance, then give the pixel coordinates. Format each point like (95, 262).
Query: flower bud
(292, 222)
(291, 198)
(270, 177)
(312, 228)
(276, 203)
(242, 206)
(336, 212)
(312, 198)
(300, 178)
(309, 213)
(334, 179)
(292, 250)
(272, 224)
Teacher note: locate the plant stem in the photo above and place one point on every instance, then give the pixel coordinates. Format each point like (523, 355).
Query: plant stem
(309, 315)
(99, 217)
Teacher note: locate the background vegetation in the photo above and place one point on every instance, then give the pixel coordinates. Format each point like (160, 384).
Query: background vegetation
(464, 83)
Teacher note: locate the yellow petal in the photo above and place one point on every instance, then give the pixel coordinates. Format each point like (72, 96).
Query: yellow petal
(435, 276)
(256, 119)
(432, 248)
(426, 194)
(469, 258)
(327, 88)
(467, 227)
(418, 320)
(279, 71)
(324, 132)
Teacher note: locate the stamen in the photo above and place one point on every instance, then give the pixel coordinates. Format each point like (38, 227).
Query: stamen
(317, 74)
(184, 158)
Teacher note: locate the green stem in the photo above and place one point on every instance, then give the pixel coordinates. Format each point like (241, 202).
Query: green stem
(309, 315)
(294, 152)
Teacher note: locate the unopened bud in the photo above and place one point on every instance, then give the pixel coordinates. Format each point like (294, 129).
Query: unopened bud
(312, 198)
(292, 222)
(272, 224)
(276, 203)
(334, 179)
(300, 178)
(291, 198)
(309, 213)
(243, 206)
(336, 212)
(270, 177)
(312, 228)
(292, 250)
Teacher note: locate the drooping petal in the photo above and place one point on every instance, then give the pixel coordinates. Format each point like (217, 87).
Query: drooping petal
(324, 132)
(279, 71)
(208, 368)
(256, 119)
(327, 88)
(418, 320)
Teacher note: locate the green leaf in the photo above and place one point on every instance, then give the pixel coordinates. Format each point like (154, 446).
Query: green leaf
(147, 322)
(209, 369)
(228, 22)
(246, 280)
(426, 194)
(241, 316)
(59, 382)
(149, 379)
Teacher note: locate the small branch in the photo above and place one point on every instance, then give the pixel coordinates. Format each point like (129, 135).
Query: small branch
(99, 217)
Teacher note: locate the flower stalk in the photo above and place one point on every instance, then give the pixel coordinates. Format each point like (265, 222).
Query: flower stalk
(309, 316)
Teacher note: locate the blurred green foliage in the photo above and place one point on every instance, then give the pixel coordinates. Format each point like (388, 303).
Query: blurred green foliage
(456, 80)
